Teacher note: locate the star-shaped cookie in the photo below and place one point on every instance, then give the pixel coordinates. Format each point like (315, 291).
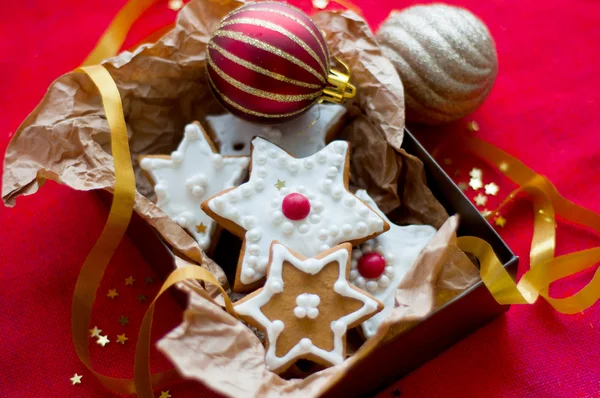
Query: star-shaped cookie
(306, 307)
(193, 173)
(303, 203)
(379, 264)
(301, 137)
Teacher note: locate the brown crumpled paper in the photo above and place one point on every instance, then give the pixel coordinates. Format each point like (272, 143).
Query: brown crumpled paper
(163, 87)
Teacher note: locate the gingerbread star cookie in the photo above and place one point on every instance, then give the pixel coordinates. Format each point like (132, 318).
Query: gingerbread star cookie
(301, 137)
(306, 307)
(379, 264)
(303, 203)
(193, 173)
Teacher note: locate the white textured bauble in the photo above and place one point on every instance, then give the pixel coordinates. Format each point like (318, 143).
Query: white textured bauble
(446, 58)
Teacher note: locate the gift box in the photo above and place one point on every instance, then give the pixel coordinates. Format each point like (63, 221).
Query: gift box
(163, 87)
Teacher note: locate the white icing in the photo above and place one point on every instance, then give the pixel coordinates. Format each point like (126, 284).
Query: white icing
(328, 210)
(400, 247)
(193, 174)
(306, 305)
(274, 285)
(234, 134)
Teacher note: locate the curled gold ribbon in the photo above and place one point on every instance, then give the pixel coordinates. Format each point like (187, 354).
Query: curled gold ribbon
(544, 267)
(99, 257)
(111, 41)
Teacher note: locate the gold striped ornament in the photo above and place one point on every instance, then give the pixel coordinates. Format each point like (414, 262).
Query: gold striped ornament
(268, 62)
(446, 58)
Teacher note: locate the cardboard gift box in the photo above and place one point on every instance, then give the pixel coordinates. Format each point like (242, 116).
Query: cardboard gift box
(386, 159)
(400, 355)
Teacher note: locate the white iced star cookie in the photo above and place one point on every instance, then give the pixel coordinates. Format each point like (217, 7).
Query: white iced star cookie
(306, 307)
(303, 203)
(193, 173)
(379, 264)
(234, 134)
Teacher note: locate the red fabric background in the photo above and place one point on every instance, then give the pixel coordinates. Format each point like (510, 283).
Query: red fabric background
(544, 109)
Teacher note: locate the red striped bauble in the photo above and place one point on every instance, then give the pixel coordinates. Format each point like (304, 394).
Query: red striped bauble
(267, 62)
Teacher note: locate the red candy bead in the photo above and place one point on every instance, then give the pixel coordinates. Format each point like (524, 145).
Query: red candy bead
(371, 265)
(295, 206)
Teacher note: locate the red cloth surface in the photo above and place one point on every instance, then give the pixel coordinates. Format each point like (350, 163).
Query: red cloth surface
(544, 109)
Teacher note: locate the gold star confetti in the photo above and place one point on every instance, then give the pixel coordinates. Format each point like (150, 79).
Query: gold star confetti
(480, 199)
(476, 173)
(201, 228)
(492, 189)
(141, 298)
(500, 221)
(123, 320)
(473, 126)
(503, 166)
(121, 338)
(175, 5)
(102, 340)
(447, 161)
(149, 280)
(486, 213)
(280, 184)
(76, 379)
(463, 186)
(129, 281)
(475, 183)
(95, 332)
(112, 293)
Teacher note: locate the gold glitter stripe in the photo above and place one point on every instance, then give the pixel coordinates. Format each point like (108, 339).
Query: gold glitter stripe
(268, 48)
(258, 92)
(293, 18)
(250, 111)
(242, 62)
(276, 28)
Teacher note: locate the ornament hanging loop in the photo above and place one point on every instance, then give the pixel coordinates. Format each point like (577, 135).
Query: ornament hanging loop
(340, 88)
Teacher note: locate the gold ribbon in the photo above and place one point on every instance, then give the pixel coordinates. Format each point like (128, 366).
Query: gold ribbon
(544, 267)
(111, 41)
(97, 260)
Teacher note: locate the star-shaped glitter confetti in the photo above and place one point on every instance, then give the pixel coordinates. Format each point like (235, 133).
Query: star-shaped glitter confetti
(486, 213)
(473, 126)
(300, 137)
(149, 280)
(475, 183)
(129, 281)
(201, 228)
(447, 161)
(312, 213)
(193, 173)
(492, 189)
(123, 320)
(142, 298)
(393, 252)
(280, 184)
(317, 325)
(480, 199)
(476, 173)
(165, 394)
(112, 293)
(102, 340)
(500, 221)
(76, 379)
(121, 338)
(95, 332)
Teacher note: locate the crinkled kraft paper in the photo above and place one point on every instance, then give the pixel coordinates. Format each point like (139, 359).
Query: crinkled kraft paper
(163, 87)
